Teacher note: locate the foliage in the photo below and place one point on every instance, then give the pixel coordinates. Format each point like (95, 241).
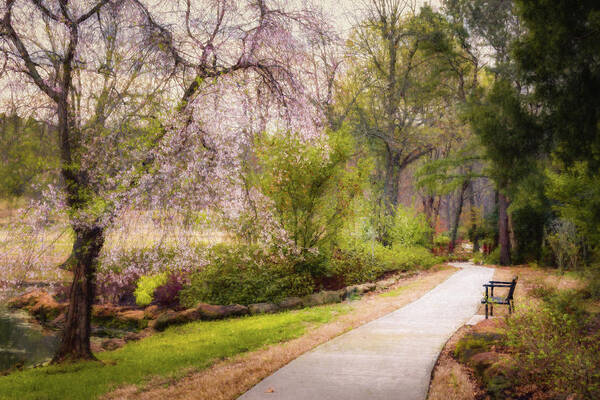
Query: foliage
(370, 260)
(555, 347)
(28, 151)
(441, 241)
(170, 354)
(246, 274)
(493, 258)
(565, 244)
(558, 54)
(146, 285)
(409, 228)
(531, 213)
(167, 295)
(575, 192)
(310, 185)
(122, 267)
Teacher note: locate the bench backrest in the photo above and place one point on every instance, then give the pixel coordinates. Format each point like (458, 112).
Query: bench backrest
(511, 291)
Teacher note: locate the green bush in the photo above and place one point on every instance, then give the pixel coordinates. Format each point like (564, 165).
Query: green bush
(146, 285)
(246, 274)
(442, 240)
(311, 185)
(554, 348)
(409, 228)
(493, 258)
(367, 261)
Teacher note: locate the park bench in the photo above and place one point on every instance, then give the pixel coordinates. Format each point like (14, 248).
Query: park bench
(489, 300)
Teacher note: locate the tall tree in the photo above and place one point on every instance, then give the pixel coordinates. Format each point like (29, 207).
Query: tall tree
(110, 81)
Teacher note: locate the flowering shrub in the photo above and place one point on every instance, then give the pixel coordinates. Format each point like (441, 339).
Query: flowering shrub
(120, 270)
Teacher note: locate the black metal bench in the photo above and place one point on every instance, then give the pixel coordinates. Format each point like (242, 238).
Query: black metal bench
(489, 300)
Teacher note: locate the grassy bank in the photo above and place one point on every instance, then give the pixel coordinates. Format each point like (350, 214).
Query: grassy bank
(548, 349)
(171, 354)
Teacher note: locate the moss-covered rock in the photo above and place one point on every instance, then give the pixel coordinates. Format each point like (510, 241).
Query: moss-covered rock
(290, 303)
(209, 311)
(40, 304)
(263, 308)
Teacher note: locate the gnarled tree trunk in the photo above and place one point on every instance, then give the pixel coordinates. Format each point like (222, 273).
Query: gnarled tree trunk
(75, 343)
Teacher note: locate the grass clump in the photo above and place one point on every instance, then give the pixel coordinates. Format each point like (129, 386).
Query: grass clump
(170, 354)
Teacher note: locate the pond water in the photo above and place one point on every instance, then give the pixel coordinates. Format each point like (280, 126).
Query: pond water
(22, 342)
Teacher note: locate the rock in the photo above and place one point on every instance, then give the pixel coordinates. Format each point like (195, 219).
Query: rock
(493, 326)
(134, 318)
(385, 283)
(366, 287)
(315, 299)
(131, 315)
(482, 361)
(112, 344)
(324, 297)
(210, 311)
(26, 300)
(40, 304)
(59, 321)
(263, 308)
(47, 309)
(290, 303)
(169, 318)
(152, 312)
(131, 337)
(359, 289)
(104, 311)
(115, 317)
(350, 291)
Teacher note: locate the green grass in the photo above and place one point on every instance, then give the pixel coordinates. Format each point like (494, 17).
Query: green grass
(170, 354)
(398, 291)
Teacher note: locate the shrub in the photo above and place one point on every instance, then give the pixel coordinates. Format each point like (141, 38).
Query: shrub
(553, 347)
(246, 274)
(493, 258)
(167, 295)
(441, 241)
(311, 185)
(368, 261)
(409, 228)
(566, 244)
(144, 293)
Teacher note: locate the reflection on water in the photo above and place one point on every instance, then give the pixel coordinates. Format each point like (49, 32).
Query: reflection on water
(22, 343)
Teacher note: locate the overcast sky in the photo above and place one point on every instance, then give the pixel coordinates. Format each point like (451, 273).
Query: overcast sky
(344, 10)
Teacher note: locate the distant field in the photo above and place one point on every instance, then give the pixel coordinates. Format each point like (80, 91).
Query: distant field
(34, 253)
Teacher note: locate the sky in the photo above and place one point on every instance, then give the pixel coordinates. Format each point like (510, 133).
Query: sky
(343, 11)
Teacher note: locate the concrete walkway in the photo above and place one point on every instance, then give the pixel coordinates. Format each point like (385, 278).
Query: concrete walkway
(389, 358)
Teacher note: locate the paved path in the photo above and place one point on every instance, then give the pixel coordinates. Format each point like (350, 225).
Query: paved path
(388, 358)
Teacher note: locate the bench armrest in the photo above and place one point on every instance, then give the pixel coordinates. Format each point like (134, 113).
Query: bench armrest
(496, 285)
(506, 282)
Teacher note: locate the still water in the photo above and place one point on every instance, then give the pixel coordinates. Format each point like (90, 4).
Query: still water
(23, 343)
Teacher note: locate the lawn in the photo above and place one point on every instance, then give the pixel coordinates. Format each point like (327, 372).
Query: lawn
(170, 354)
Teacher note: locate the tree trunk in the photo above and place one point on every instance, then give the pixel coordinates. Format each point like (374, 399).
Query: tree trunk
(75, 344)
(459, 208)
(392, 180)
(473, 213)
(503, 234)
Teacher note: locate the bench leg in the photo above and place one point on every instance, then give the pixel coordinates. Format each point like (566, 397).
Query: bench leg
(486, 310)
(492, 309)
